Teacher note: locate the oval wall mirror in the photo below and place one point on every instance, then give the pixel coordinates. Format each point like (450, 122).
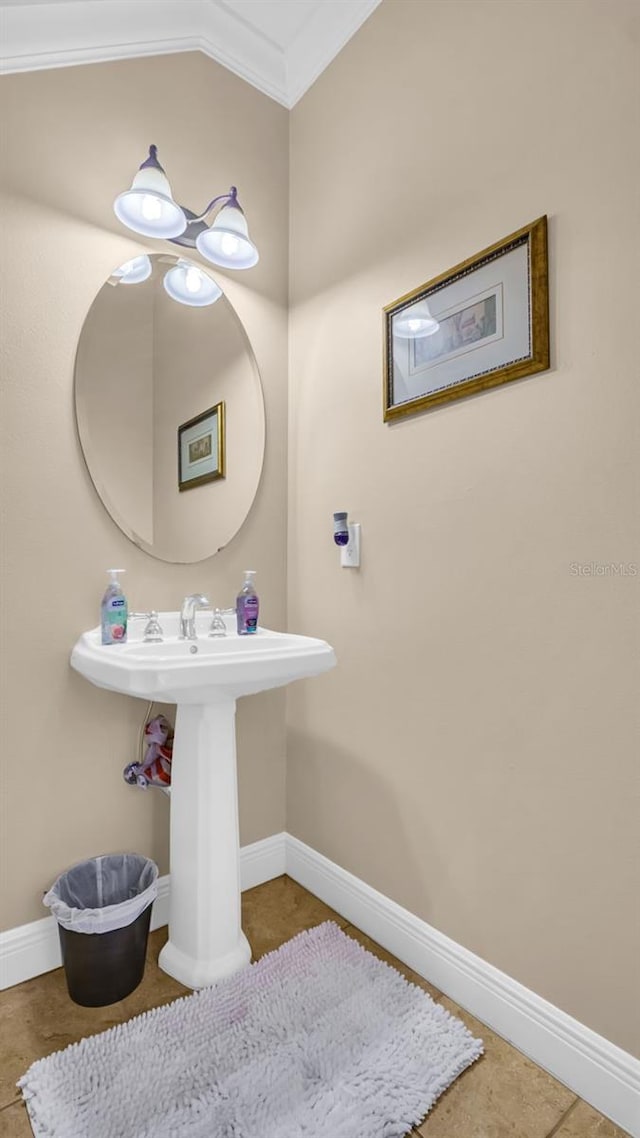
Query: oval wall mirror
(170, 411)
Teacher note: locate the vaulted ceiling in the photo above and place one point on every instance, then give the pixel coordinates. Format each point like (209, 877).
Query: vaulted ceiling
(279, 46)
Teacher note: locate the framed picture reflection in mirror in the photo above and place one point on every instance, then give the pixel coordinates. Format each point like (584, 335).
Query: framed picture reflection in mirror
(201, 456)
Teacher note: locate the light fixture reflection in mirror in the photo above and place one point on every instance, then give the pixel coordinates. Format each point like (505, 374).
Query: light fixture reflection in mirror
(135, 271)
(145, 366)
(185, 282)
(188, 284)
(415, 322)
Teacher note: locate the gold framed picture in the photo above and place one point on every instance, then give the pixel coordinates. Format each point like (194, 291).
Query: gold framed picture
(201, 447)
(483, 323)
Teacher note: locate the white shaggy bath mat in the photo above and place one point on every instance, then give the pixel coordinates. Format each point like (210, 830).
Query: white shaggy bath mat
(319, 1039)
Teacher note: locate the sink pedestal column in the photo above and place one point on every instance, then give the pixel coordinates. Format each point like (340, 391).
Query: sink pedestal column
(206, 941)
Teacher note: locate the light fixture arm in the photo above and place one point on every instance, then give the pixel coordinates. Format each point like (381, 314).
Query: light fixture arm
(229, 199)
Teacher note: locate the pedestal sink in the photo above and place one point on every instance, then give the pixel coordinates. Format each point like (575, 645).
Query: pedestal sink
(204, 678)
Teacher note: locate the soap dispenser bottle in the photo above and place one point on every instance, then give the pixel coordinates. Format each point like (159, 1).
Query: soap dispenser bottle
(247, 606)
(113, 611)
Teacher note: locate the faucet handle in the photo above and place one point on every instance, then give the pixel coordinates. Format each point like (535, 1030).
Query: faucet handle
(153, 633)
(218, 627)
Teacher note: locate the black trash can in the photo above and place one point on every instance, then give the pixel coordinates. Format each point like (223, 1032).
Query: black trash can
(103, 910)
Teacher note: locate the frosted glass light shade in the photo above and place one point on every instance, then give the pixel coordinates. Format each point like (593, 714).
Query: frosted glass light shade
(226, 242)
(415, 322)
(135, 271)
(148, 207)
(188, 284)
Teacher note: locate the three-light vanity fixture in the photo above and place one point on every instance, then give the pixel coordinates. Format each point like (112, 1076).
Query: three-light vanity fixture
(148, 208)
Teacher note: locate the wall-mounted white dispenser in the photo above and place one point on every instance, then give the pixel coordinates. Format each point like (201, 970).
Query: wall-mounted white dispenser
(346, 535)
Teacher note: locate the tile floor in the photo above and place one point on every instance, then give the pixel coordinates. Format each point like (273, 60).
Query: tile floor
(504, 1095)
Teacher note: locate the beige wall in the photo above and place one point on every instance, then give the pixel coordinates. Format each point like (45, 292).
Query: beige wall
(71, 139)
(474, 754)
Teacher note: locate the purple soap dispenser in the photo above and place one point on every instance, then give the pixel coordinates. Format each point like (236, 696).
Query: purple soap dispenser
(247, 606)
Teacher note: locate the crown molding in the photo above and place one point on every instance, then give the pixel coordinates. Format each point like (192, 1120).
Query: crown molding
(323, 36)
(65, 33)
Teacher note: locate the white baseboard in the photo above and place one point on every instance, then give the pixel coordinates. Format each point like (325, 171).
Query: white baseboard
(32, 949)
(598, 1071)
(262, 861)
(593, 1068)
(28, 951)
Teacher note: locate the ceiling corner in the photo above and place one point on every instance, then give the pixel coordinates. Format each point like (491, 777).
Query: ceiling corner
(321, 39)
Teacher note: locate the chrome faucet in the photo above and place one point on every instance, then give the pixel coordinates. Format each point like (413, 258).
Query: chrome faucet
(188, 615)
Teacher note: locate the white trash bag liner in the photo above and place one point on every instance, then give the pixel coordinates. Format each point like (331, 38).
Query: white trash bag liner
(104, 893)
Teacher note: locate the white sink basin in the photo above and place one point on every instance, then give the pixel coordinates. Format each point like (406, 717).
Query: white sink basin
(204, 677)
(184, 671)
